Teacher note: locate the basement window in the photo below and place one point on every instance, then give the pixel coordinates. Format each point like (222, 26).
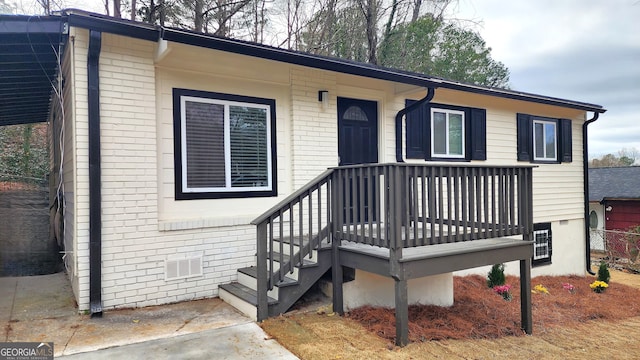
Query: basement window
(542, 244)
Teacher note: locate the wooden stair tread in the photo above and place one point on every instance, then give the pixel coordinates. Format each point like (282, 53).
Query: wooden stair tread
(245, 293)
(252, 271)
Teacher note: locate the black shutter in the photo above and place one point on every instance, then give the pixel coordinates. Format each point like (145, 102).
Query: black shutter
(565, 144)
(525, 137)
(415, 131)
(477, 135)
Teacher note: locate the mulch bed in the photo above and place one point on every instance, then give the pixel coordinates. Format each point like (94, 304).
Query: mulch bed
(479, 313)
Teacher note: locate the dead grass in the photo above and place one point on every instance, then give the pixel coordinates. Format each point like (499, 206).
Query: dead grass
(480, 325)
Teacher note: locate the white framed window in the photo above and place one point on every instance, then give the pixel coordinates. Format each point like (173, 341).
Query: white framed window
(545, 140)
(542, 248)
(447, 133)
(225, 145)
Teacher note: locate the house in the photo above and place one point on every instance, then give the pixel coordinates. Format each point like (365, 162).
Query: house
(192, 166)
(614, 201)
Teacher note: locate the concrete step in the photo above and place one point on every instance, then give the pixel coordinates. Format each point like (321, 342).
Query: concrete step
(242, 298)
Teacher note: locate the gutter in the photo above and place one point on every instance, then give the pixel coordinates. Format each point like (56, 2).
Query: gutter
(95, 196)
(148, 32)
(585, 166)
(431, 91)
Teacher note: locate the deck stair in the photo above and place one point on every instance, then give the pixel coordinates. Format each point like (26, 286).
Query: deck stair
(243, 295)
(294, 251)
(402, 221)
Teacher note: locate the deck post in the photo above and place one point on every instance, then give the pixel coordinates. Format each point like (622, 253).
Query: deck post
(402, 312)
(336, 227)
(525, 296)
(336, 275)
(263, 274)
(395, 254)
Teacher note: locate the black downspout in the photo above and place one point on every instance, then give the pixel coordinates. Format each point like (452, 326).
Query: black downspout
(430, 93)
(95, 201)
(585, 157)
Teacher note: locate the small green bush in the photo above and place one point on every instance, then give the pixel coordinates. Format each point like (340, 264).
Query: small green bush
(603, 272)
(496, 276)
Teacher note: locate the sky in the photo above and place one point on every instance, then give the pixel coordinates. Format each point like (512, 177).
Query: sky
(582, 50)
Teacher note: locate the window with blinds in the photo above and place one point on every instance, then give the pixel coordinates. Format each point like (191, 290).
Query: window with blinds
(226, 145)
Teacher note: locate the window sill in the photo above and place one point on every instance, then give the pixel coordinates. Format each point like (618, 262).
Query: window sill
(545, 162)
(189, 224)
(540, 263)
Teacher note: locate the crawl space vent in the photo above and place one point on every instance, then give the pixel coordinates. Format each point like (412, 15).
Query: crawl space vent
(183, 268)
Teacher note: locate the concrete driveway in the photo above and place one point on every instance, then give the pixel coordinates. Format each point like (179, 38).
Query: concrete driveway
(42, 309)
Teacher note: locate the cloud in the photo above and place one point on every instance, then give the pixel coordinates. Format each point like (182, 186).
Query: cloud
(582, 50)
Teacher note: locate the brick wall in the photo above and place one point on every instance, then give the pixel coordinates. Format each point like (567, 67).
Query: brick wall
(136, 244)
(314, 129)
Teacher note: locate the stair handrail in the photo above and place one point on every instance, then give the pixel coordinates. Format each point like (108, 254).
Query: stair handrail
(286, 201)
(264, 278)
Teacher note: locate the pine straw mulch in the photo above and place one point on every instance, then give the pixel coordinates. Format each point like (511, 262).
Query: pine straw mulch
(479, 313)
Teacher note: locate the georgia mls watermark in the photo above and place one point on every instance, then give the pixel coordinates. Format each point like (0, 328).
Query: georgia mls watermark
(26, 351)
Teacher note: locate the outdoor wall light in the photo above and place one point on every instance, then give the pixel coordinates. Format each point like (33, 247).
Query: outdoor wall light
(608, 208)
(323, 97)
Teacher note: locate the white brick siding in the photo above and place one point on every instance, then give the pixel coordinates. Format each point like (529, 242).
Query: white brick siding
(314, 130)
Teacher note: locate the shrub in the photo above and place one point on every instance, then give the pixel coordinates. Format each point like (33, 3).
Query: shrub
(496, 276)
(603, 273)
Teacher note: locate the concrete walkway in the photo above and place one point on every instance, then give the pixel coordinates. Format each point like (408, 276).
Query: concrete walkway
(42, 308)
(236, 342)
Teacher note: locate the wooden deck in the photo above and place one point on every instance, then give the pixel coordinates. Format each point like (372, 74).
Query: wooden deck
(436, 259)
(402, 221)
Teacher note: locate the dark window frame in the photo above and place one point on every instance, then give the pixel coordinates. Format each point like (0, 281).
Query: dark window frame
(418, 133)
(525, 139)
(177, 145)
(548, 258)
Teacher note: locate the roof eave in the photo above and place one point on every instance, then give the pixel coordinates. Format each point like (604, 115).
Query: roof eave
(154, 33)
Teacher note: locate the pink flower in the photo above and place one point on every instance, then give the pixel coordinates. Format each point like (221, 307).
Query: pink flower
(500, 289)
(568, 287)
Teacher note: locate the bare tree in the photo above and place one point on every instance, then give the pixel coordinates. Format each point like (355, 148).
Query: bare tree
(117, 9)
(46, 6)
(369, 9)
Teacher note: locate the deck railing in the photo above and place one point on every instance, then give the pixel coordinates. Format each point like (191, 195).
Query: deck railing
(393, 206)
(404, 205)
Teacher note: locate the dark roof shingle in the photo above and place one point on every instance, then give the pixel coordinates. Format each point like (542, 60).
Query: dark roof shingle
(614, 183)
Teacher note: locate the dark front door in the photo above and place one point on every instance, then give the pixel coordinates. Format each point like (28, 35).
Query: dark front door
(357, 131)
(358, 144)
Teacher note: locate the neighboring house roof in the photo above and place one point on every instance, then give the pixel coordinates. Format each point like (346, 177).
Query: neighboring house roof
(614, 183)
(154, 33)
